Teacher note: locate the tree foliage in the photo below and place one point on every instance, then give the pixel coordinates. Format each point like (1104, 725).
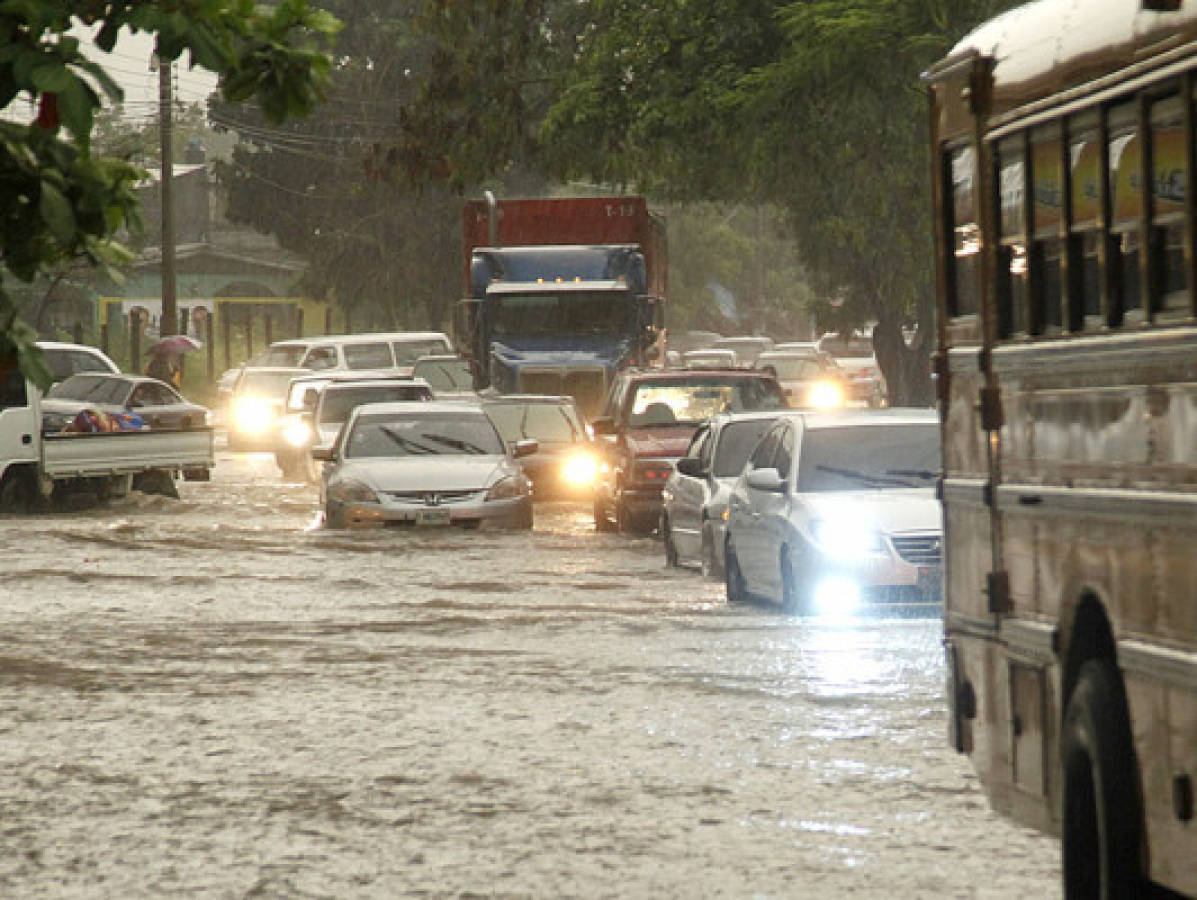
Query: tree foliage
(63, 201)
(813, 105)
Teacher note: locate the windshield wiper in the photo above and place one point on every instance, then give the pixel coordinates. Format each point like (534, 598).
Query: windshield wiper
(464, 446)
(925, 474)
(864, 476)
(412, 447)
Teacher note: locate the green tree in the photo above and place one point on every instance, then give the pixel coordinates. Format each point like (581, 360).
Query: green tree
(814, 106)
(61, 200)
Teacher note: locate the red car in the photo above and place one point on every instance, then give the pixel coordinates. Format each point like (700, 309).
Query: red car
(648, 420)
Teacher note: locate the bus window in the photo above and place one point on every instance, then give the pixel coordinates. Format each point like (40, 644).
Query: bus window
(1012, 282)
(1168, 205)
(965, 290)
(1126, 212)
(1045, 248)
(1084, 289)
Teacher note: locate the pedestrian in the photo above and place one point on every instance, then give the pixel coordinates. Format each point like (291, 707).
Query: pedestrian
(164, 367)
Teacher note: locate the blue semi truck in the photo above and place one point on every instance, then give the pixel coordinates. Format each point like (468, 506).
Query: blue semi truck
(561, 294)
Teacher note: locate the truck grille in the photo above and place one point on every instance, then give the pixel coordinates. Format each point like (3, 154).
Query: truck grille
(919, 549)
(586, 386)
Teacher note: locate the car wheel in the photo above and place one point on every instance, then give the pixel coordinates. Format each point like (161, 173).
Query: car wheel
(1102, 820)
(671, 555)
(794, 598)
(733, 578)
(18, 494)
(601, 522)
(710, 563)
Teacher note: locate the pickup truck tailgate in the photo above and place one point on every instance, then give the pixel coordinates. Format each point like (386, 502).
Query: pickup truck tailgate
(121, 452)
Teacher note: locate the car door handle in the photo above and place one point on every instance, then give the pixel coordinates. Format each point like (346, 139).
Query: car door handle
(26, 439)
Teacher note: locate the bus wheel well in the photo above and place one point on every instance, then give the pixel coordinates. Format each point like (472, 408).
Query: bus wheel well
(1090, 637)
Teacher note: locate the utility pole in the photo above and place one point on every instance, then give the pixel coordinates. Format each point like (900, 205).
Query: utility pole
(168, 321)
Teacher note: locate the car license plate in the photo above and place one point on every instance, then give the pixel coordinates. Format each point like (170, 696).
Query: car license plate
(432, 517)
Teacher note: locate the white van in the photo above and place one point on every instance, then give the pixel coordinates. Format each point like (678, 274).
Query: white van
(394, 352)
(397, 350)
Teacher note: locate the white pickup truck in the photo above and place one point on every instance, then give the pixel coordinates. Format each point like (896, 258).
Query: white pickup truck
(35, 466)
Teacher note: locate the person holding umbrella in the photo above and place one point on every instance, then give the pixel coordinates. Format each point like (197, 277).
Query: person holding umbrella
(166, 358)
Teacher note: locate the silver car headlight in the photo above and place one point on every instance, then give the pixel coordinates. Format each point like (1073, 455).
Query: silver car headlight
(507, 488)
(350, 491)
(845, 539)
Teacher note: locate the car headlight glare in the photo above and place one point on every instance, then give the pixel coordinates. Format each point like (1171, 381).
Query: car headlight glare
(297, 433)
(252, 415)
(825, 395)
(579, 470)
(350, 491)
(507, 488)
(846, 540)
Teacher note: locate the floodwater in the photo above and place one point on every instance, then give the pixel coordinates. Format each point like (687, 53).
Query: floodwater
(213, 697)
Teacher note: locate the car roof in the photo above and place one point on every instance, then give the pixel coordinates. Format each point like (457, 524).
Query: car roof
(744, 339)
(347, 383)
(721, 419)
(793, 353)
(363, 338)
(421, 406)
(525, 398)
(336, 376)
(863, 417)
(695, 374)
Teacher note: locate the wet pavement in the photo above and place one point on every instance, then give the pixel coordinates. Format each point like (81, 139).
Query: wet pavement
(212, 696)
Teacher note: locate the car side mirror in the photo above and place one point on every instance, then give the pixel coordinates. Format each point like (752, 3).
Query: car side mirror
(766, 480)
(524, 448)
(603, 425)
(324, 454)
(310, 398)
(692, 466)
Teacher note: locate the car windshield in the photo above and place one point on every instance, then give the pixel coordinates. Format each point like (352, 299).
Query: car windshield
(77, 387)
(280, 356)
(690, 401)
(548, 423)
(265, 384)
(407, 352)
(736, 441)
(792, 368)
(437, 434)
(338, 403)
(869, 456)
(575, 312)
(445, 374)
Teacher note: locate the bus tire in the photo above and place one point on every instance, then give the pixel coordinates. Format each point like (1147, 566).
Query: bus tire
(1102, 820)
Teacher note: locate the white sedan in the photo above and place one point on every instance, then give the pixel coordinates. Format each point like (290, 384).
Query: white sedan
(424, 464)
(836, 510)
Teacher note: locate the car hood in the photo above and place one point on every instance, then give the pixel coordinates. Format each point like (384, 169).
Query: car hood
(891, 511)
(437, 473)
(604, 350)
(660, 443)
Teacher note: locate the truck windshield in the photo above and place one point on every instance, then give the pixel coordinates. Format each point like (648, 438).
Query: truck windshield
(581, 312)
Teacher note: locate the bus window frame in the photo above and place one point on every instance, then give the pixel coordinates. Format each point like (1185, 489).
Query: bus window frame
(949, 256)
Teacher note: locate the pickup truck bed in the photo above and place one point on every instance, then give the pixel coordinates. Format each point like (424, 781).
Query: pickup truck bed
(86, 455)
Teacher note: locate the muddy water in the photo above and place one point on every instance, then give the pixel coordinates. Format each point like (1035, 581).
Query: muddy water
(212, 697)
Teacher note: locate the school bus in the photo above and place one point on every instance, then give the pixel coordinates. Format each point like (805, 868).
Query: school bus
(1063, 157)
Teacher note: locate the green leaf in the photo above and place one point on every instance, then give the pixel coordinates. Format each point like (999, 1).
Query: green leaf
(76, 108)
(52, 78)
(56, 212)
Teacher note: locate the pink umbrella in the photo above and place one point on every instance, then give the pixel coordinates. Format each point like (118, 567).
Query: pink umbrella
(179, 343)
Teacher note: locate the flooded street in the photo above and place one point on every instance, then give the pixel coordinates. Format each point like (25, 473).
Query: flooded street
(213, 697)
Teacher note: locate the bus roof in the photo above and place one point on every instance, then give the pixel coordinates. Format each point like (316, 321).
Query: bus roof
(1048, 46)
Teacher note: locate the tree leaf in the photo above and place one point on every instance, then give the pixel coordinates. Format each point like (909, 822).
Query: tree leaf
(56, 212)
